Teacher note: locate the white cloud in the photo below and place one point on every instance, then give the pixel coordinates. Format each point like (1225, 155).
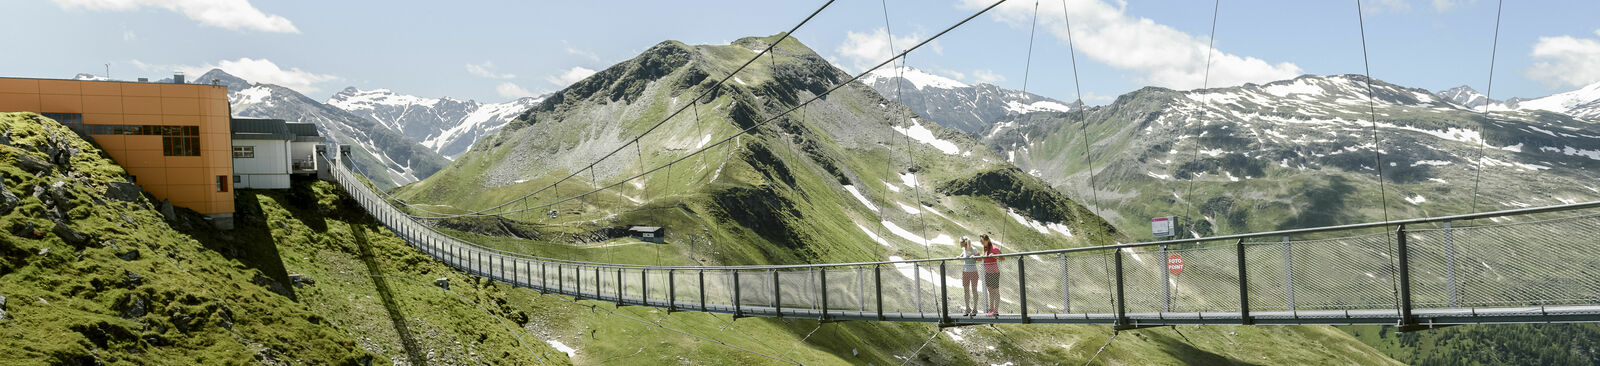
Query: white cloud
(573, 75)
(575, 51)
(1390, 6)
(260, 71)
(1445, 5)
(226, 14)
(511, 90)
(483, 71)
(1159, 54)
(865, 50)
(987, 77)
(1566, 61)
(127, 35)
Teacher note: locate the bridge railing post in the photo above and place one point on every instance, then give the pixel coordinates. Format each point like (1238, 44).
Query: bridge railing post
(1066, 286)
(1405, 278)
(877, 285)
(822, 287)
(620, 286)
(672, 292)
(644, 287)
(737, 311)
(1288, 273)
(944, 296)
(777, 294)
(1166, 280)
(1022, 288)
(916, 285)
(1122, 301)
(702, 290)
(1450, 265)
(1244, 286)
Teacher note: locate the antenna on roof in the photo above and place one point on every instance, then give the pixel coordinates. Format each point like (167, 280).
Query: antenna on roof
(108, 71)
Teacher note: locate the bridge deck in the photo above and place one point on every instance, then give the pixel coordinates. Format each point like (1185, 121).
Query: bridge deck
(1536, 269)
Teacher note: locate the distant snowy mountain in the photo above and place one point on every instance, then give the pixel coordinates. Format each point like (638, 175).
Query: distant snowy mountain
(448, 126)
(1582, 103)
(388, 158)
(953, 104)
(1466, 96)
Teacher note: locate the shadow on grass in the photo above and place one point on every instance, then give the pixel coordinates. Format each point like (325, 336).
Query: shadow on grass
(380, 281)
(250, 243)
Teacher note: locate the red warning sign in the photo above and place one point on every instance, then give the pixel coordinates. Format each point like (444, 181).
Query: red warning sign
(1175, 264)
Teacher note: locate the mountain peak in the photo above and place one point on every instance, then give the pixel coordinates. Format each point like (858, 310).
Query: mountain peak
(917, 78)
(234, 83)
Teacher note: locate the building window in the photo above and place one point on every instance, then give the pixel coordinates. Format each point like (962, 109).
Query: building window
(73, 121)
(180, 146)
(222, 183)
(244, 152)
(238, 179)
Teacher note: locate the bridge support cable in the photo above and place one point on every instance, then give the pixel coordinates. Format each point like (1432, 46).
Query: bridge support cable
(1102, 348)
(1377, 150)
(1494, 50)
(1205, 100)
(888, 160)
(936, 332)
(1083, 116)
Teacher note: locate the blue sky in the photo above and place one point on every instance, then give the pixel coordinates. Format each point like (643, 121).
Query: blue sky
(493, 50)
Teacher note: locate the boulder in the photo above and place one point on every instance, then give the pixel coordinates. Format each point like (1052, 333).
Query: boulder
(168, 211)
(130, 255)
(32, 164)
(8, 201)
(123, 191)
(61, 196)
(133, 279)
(3, 308)
(136, 308)
(69, 235)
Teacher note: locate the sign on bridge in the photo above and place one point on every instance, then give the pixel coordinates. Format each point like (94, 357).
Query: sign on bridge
(1175, 264)
(1161, 227)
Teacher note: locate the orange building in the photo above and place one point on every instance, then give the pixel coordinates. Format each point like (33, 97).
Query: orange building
(172, 137)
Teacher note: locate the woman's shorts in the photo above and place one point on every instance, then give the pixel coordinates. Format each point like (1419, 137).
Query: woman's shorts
(992, 280)
(969, 277)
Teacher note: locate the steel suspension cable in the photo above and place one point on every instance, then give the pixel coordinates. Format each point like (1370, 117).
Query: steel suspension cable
(1494, 49)
(1204, 101)
(1083, 118)
(770, 48)
(1377, 150)
(1027, 70)
(752, 127)
(888, 160)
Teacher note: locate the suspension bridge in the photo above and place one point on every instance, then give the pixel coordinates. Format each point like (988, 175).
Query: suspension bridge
(1526, 265)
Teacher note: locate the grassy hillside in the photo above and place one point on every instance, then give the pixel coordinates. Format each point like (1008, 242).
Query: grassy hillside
(93, 272)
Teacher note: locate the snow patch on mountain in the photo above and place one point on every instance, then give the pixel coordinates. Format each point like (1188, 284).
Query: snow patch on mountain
(925, 135)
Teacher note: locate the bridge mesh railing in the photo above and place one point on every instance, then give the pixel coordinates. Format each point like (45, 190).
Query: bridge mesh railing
(1514, 260)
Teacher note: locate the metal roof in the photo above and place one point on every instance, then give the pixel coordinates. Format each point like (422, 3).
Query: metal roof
(646, 229)
(260, 129)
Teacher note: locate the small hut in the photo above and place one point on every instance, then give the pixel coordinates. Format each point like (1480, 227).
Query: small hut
(653, 234)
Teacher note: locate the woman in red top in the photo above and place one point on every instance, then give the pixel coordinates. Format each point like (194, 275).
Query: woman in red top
(991, 272)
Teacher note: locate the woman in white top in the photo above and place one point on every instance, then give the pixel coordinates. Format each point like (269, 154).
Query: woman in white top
(969, 276)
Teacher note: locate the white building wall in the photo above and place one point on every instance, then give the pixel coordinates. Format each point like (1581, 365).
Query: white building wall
(272, 157)
(262, 181)
(269, 169)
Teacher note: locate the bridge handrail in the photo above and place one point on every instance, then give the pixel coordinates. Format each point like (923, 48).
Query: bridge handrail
(1301, 231)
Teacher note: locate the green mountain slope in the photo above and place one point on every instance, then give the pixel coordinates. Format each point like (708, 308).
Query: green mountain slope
(1300, 153)
(783, 194)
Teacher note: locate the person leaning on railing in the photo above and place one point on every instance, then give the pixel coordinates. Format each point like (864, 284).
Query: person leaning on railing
(991, 272)
(969, 277)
